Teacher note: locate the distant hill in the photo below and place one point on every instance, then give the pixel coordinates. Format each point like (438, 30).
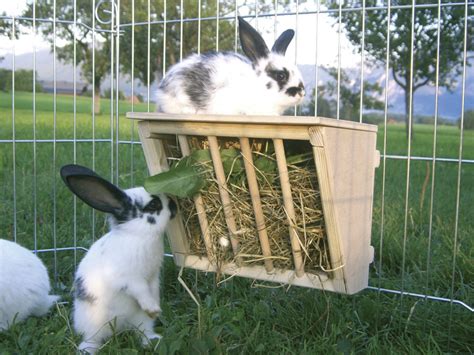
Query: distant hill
(44, 66)
(424, 103)
(424, 100)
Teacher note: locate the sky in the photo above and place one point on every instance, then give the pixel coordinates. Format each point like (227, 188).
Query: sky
(303, 46)
(313, 32)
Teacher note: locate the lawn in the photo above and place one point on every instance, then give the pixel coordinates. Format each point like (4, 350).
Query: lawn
(240, 316)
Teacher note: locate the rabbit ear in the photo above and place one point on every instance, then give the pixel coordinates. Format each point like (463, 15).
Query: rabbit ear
(281, 44)
(252, 43)
(94, 190)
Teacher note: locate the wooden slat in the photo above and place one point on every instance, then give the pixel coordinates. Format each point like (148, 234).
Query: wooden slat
(288, 203)
(330, 218)
(351, 158)
(253, 120)
(256, 202)
(157, 162)
(229, 130)
(224, 193)
(257, 272)
(199, 204)
(345, 158)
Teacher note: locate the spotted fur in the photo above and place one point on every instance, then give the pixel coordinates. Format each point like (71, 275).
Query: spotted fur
(80, 291)
(118, 279)
(24, 285)
(263, 82)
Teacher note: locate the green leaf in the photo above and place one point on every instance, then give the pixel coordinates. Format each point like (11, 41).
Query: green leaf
(232, 161)
(201, 155)
(267, 169)
(197, 157)
(265, 165)
(181, 181)
(183, 162)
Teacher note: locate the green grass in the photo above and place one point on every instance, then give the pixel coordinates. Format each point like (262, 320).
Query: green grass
(64, 103)
(239, 316)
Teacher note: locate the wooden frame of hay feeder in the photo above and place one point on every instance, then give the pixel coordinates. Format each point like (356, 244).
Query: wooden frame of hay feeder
(345, 157)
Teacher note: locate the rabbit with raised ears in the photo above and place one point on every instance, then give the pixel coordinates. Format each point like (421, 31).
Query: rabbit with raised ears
(264, 82)
(24, 285)
(117, 283)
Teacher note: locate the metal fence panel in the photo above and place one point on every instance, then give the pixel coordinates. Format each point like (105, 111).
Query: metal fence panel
(34, 156)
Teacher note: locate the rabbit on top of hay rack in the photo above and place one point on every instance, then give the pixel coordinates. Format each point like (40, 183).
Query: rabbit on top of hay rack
(117, 283)
(263, 83)
(24, 285)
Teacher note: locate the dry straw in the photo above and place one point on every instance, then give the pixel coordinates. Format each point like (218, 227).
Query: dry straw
(309, 221)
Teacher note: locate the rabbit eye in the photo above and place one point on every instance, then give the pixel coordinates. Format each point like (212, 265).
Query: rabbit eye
(281, 76)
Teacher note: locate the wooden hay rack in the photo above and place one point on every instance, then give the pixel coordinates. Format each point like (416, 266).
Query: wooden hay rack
(345, 156)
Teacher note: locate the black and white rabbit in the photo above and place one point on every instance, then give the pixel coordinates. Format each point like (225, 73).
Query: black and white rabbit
(24, 285)
(263, 83)
(117, 283)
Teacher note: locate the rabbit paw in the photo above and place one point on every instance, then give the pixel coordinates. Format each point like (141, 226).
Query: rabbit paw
(149, 338)
(152, 311)
(88, 347)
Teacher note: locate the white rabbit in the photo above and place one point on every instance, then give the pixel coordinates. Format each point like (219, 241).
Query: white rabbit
(24, 285)
(117, 283)
(263, 83)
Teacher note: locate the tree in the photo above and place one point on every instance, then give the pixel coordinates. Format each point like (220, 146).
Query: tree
(468, 122)
(349, 99)
(188, 41)
(81, 34)
(142, 69)
(6, 30)
(23, 80)
(424, 43)
(350, 95)
(325, 106)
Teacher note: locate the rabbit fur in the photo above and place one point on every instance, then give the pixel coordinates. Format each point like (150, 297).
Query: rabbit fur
(24, 285)
(263, 82)
(117, 283)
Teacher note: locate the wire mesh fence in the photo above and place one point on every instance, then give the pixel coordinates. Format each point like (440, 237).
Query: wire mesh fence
(364, 60)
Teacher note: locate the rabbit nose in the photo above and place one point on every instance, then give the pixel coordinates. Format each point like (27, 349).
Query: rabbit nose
(295, 90)
(302, 91)
(173, 208)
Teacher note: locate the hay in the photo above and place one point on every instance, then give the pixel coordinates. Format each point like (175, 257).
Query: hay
(309, 222)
